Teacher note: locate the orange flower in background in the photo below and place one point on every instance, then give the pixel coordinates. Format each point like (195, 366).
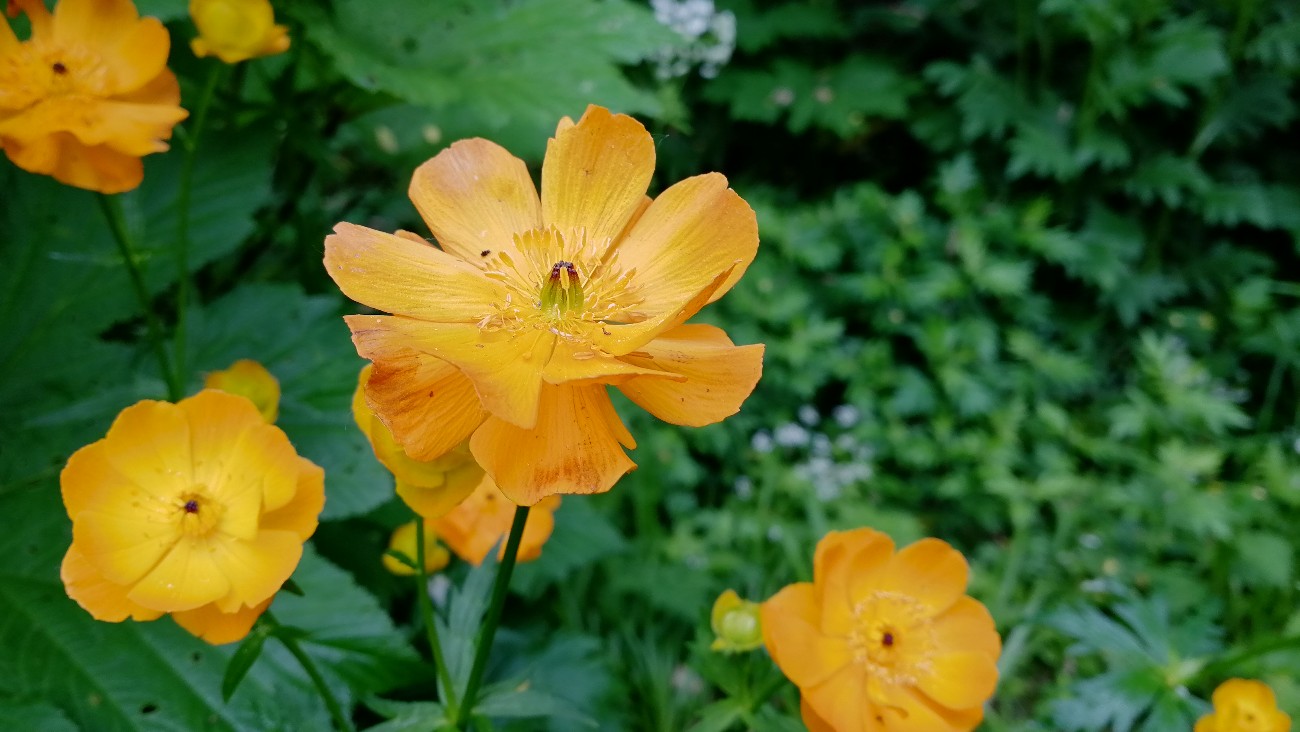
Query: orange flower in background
(510, 333)
(236, 30)
(884, 641)
(1244, 705)
(87, 94)
(483, 520)
(404, 541)
(198, 509)
(251, 380)
(432, 487)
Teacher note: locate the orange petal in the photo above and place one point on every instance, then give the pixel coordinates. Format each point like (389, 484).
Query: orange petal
(693, 232)
(104, 600)
(301, 514)
(929, 570)
(396, 275)
(622, 339)
(595, 175)
(126, 540)
(149, 443)
(475, 196)
(540, 524)
(187, 576)
(907, 708)
(840, 700)
(718, 375)
(256, 569)
(804, 654)
(216, 627)
(960, 680)
(573, 361)
(78, 22)
(574, 447)
(90, 477)
(432, 502)
(117, 126)
(506, 370)
(846, 560)
(477, 524)
(133, 54)
(427, 401)
(61, 155)
(968, 626)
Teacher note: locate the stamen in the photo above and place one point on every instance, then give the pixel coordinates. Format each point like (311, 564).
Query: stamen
(59, 68)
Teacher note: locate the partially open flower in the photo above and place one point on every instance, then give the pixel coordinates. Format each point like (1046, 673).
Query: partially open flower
(735, 623)
(198, 509)
(251, 380)
(884, 641)
(483, 520)
(236, 30)
(1244, 705)
(405, 542)
(87, 94)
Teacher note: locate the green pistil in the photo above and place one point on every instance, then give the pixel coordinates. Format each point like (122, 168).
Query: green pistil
(562, 293)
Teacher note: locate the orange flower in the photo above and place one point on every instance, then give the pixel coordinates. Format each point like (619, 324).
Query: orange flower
(88, 94)
(1244, 705)
(236, 30)
(403, 541)
(251, 380)
(198, 509)
(884, 641)
(432, 487)
(483, 520)
(509, 333)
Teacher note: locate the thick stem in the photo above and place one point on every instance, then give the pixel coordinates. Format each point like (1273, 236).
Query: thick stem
(489, 629)
(112, 208)
(341, 720)
(430, 623)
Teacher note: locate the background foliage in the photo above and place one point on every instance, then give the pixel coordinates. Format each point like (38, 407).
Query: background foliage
(1027, 283)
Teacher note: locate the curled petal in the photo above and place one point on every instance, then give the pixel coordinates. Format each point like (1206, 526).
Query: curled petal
(217, 627)
(715, 377)
(805, 655)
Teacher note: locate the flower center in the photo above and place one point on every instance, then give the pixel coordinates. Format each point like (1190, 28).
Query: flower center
(41, 70)
(200, 514)
(892, 637)
(562, 293)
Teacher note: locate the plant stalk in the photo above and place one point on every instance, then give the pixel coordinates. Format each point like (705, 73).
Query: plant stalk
(341, 720)
(430, 623)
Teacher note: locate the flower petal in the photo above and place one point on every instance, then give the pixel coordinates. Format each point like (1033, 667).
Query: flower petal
(929, 570)
(433, 502)
(216, 627)
(804, 654)
(574, 361)
(718, 375)
(846, 561)
(125, 541)
(59, 154)
(426, 400)
(693, 232)
(840, 700)
(960, 680)
(149, 443)
(187, 576)
(907, 708)
(968, 626)
(574, 447)
(104, 600)
(475, 196)
(301, 514)
(90, 477)
(595, 175)
(399, 276)
(505, 369)
(256, 569)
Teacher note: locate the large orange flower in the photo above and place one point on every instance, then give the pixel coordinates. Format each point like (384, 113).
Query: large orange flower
(1244, 705)
(88, 94)
(198, 509)
(511, 330)
(880, 641)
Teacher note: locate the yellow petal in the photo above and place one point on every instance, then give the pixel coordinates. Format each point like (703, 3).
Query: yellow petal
(300, 515)
(61, 155)
(693, 232)
(187, 576)
(540, 525)
(929, 570)
(435, 501)
(251, 380)
(960, 680)
(90, 477)
(104, 600)
(907, 708)
(574, 447)
(846, 562)
(622, 339)
(133, 54)
(595, 175)
(573, 361)
(815, 723)
(427, 401)
(840, 700)
(967, 626)
(475, 196)
(804, 654)
(718, 375)
(256, 569)
(149, 443)
(399, 276)
(216, 627)
(506, 370)
(125, 541)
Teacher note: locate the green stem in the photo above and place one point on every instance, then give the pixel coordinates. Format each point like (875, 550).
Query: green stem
(1216, 668)
(191, 145)
(430, 623)
(112, 208)
(489, 629)
(341, 720)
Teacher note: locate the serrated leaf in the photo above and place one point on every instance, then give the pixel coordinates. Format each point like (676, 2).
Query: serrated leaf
(510, 701)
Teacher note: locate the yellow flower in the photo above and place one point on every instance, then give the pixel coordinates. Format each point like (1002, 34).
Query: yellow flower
(236, 30)
(1244, 705)
(511, 331)
(483, 520)
(403, 541)
(198, 509)
(884, 641)
(432, 487)
(735, 623)
(87, 94)
(251, 380)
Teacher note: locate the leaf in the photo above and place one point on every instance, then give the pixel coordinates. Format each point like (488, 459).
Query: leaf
(510, 700)
(249, 650)
(1169, 178)
(1263, 559)
(757, 29)
(408, 716)
(582, 537)
(466, 606)
(17, 715)
(1250, 107)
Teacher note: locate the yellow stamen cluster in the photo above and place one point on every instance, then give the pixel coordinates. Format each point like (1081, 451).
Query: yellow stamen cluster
(892, 637)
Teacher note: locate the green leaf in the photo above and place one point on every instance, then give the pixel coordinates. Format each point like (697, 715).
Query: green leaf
(719, 716)
(249, 650)
(517, 701)
(408, 716)
(18, 715)
(582, 536)
(466, 607)
(1263, 559)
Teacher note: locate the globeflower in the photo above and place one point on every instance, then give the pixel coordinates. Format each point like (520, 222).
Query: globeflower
(87, 94)
(512, 331)
(236, 30)
(882, 640)
(735, 624)
(1244, 705)
(251, 380)
(483, 521)
(198, 509)
(404, 541)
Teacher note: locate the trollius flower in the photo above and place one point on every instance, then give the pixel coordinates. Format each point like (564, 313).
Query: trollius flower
(1244, 705)
(513, 329)
(882, 640)
(198, 509)
(87, 94)
(483, 520)
(236, 30)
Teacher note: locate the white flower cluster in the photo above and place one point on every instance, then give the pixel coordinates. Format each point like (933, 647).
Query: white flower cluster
(829, 466)
(708, 37)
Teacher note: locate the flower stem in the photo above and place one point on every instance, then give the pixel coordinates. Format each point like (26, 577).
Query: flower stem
(112, 208)
(489, 629)
(426, 615)
(341, 720)
(1262, 649)
(191, 145)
